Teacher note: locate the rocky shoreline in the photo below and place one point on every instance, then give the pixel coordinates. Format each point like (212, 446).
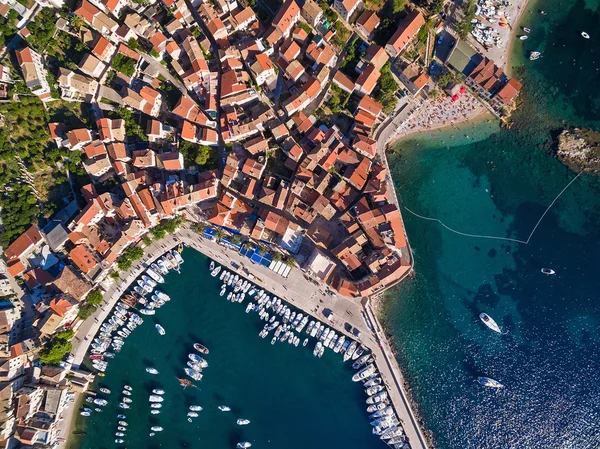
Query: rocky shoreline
(579, 149)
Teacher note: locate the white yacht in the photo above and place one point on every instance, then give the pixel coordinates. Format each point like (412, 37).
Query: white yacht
(160, 329)
(243, 422)
(487, 382)
(489, 322)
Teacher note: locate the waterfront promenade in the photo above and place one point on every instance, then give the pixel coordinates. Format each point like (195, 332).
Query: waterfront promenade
(298, 290)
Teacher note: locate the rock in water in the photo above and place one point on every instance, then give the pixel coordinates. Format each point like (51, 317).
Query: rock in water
(579, 149)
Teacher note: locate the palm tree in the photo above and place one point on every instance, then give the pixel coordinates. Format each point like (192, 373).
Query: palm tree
(219, 234)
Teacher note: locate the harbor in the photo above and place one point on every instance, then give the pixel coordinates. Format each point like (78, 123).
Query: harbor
(348, 318)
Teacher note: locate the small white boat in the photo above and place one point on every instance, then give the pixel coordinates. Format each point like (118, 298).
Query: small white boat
(156, 429)
(123, 423)
(489, 322)
(119, 441)
(243, 422)
(224, 408)
(211, 266)
(524, 37)
(151, 370)
(105, 390)
(548, 271)
(158, 391)
(195, 408)
(156, 398)
(127, 387)
(155, 412)
(243, 445)
(160, 329)
(534, 55)
(155, 405)
(585, 35)
(85, 413)
(214, 273)
(147, 311)
(487, 382)
(192, 415)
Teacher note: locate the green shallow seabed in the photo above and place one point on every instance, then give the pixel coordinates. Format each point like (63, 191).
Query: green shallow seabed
(498, 182)
(292, 399)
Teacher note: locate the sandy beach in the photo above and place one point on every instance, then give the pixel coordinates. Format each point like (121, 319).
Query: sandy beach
(441, 114)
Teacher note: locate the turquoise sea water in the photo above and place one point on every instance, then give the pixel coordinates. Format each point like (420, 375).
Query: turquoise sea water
(292, 399)
(498, 182)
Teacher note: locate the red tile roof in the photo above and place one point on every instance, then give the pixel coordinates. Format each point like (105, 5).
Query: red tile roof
(409, 26)
(23, 243)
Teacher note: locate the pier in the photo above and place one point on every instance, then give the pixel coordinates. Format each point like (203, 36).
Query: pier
(297, 290)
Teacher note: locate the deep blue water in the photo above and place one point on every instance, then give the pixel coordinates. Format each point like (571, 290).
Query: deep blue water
(292, 399)
(498, 182)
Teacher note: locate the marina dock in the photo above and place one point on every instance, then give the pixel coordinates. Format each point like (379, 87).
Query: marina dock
(335, 311)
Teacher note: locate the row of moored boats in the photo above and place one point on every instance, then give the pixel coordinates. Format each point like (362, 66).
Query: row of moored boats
(288, 325)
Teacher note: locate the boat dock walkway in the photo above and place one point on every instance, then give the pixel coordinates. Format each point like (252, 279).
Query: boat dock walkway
(298, 290)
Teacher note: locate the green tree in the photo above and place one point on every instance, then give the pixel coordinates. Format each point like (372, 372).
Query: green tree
(114, 275)
(133, 43)
(124, 264)
(95, 297)
(86, 311)
(398, 5)
(134, 253)
(199, 228)
(146, 240)
(123, 64)
(445, 78)
(276, 255)
(464, 26)
(290, 261)
(56, 349)
(436, 6)
(219, 234)
(235, 239)
(158, 232)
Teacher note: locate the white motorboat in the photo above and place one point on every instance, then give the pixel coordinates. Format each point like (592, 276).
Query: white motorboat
(156, 405)
(127, 387)
(364, 373)
(105, 390)
(156, 398)
(158, 391)
(156, 429)
(487, 382)
(243, 445)
(195, 408)
(211, 266)
(223, 290)
(192, 415)
(123, 405)
(149, 281)
(214, 273)
(524, 37)
(160, 329)
(377, 398)
(123, 423)
(154, 275)
(147, 311)
(585, 35)
(85, 413)
(151, 370)
(350, 351)
(489, 322)
(243, 422)
(193, 374)
(119, 441)
(224, 408)
(199, 360)
(155, 412)
(534, 55)
(548, 271)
